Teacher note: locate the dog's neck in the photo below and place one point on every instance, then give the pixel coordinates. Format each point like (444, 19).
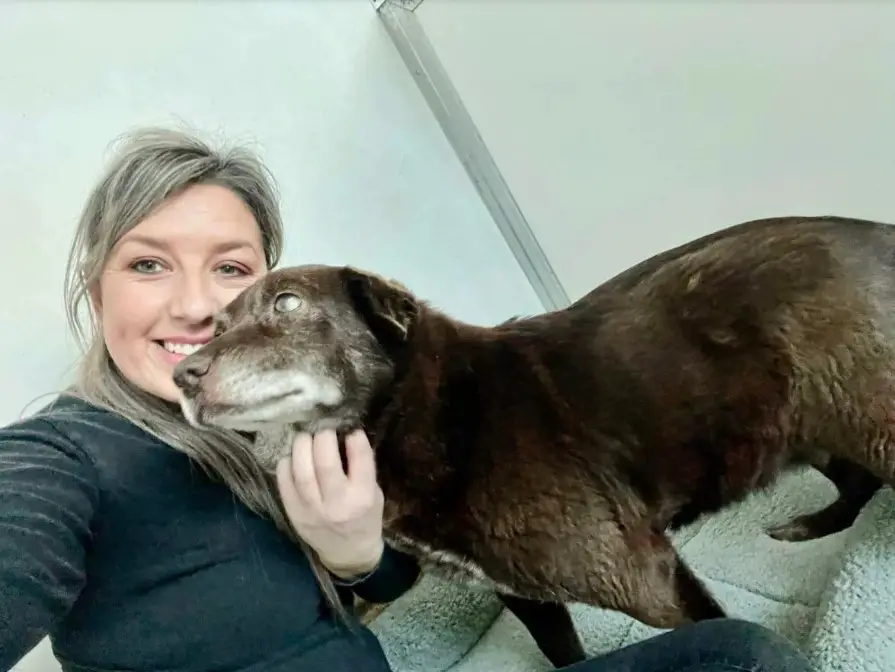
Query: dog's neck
(435, 346)
(449, 377)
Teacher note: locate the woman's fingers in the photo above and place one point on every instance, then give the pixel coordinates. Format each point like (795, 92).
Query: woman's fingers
(314, 477)
(331, 478)
(304, 471)
(293, 502)
(361, 460)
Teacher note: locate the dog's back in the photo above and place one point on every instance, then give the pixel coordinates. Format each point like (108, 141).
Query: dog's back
(696, 375)
(790, 318)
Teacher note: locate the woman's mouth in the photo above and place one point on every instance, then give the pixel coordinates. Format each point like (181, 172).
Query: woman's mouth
(184, 349)
(173, 352)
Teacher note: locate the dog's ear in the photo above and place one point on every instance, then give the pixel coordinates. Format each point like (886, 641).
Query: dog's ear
(386, 306)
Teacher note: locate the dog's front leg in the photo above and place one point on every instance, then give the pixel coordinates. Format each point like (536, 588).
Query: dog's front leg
(635, 570)
(551, 626)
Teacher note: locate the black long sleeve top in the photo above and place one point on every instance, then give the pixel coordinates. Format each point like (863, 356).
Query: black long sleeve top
(122, 551)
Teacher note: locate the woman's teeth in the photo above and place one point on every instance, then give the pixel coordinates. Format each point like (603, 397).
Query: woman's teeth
(182, 348)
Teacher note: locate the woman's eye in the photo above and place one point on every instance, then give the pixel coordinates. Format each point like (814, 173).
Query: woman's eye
(231, 269)
(147, 266)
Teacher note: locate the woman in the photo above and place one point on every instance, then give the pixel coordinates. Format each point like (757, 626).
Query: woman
(129, 557)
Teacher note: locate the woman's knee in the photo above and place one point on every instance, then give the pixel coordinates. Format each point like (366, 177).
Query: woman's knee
(753, 643)
(717, 645)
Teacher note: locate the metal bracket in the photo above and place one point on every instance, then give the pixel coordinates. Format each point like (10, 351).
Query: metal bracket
(422, 61)
(408, 5)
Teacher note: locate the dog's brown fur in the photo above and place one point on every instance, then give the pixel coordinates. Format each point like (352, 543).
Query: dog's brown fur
(548, 456)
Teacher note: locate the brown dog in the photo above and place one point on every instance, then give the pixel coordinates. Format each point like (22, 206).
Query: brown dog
(547, 457)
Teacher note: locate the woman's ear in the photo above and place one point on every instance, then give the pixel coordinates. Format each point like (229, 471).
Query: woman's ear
(96, 300)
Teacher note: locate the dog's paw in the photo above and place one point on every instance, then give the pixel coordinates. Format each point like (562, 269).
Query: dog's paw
(796, 530)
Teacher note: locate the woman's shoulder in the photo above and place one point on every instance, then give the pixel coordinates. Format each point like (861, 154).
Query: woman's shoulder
(74, 425)
(68, 406)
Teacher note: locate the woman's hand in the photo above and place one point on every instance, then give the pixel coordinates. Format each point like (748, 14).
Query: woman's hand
(339, 515)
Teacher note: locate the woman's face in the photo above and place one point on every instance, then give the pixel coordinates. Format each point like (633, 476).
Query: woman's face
(168, 275)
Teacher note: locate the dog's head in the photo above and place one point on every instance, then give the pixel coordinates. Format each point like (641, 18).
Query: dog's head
(307, 346)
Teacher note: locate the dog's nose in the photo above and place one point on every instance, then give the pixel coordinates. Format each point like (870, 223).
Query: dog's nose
(188, 373)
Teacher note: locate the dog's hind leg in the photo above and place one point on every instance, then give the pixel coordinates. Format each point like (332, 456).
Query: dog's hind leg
(856, 487)
(551, 626)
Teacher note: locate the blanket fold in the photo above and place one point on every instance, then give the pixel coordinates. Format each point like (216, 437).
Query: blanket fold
(856, 618)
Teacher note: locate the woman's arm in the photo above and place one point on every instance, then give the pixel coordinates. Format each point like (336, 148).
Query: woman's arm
(393, 576)
(48, 494)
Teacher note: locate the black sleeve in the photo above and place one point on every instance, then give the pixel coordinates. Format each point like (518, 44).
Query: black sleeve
(48, 494)
(394, 575)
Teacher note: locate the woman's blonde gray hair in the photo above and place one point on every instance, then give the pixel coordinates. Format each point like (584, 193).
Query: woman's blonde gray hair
(150, 166)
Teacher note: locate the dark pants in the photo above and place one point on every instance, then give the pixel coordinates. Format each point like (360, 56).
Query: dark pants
(720, 645)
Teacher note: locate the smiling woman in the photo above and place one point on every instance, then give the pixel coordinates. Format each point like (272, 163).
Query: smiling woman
(164, 281)
(106, 525)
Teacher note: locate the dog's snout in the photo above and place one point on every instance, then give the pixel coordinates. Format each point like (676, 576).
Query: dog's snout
(188, 373)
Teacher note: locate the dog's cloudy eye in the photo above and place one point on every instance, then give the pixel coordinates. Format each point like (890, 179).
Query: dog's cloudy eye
(286, 302)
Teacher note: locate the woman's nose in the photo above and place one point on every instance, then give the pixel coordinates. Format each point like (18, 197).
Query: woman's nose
(193, 300)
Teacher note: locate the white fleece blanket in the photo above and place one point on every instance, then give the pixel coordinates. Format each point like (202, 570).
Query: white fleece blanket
(833, 597)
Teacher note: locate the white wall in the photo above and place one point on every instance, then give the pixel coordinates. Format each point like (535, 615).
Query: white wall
(366, 174)
(626, 128)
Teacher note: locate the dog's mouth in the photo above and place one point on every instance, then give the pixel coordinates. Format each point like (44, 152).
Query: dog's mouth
(255, 400)
(283, 408)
